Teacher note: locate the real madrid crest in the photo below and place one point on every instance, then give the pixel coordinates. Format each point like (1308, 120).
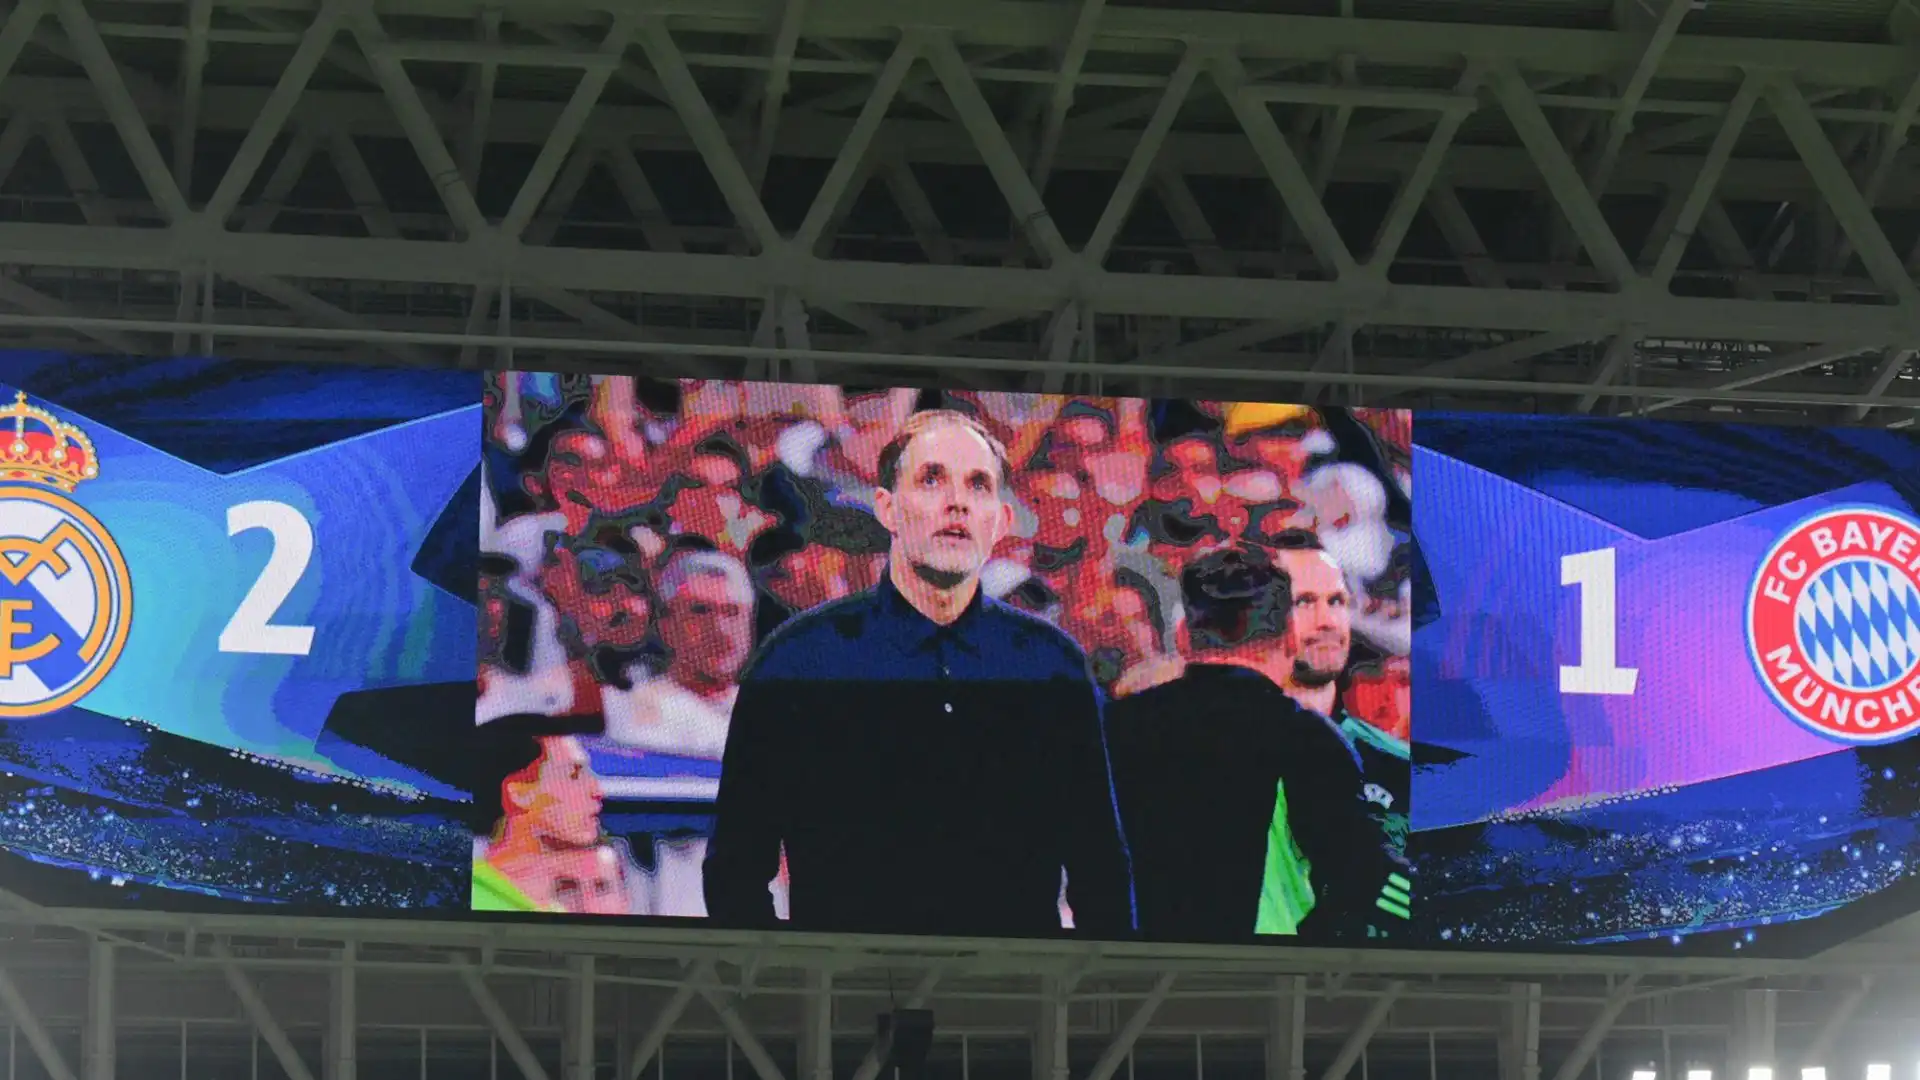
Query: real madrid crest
(1833, 624)
(66, 601)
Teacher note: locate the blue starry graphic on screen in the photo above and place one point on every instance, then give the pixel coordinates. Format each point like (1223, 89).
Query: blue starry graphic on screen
(1860, 624)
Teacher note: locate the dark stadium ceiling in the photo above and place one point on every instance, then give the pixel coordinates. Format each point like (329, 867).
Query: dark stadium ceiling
(1709, 209)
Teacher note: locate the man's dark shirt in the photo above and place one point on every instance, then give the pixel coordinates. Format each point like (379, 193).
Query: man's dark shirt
(1387, 770)
(922, 779)
(1197, 763)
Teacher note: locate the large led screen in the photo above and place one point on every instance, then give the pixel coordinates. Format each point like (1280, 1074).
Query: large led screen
(880, 660)
(964, 663)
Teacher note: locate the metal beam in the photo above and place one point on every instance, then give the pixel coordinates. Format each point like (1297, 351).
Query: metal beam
(504, 1029)
(1582, 1053)
(1495, 357)
(762, 1063)
(21, 23)
(820, 137)
(1821, 1045)
(193, 66)
(664, 1020)
(837, 186)
(103, 1033)
(485, 81)
(742, 195)
(1060, 97)
(1893, 361)
(816, 1027)
(1052, 1030)
(1304, 206)
(1269, 370)
(1892, 142)
(1563, 180)
(1117, 1051)
(1712, 168)
(566, 128)
(1419, 182)
(29, 299)
(642, 201)
(418, 124)
(1356, 1043)
(1759, 1021)
(1030, 211)
(273, 115)
(105, 75)
(311, 306)
(1830, 174)
(1140, 165)
(1773, 368)
(1000, 289)
(869, 1068)
(343, 1017)
(1619, 355)
(921, 217)
(581, 1024)
(1457, 226)
(75, 169)
(1620, 124)
(1014, 24)
(1229, 342)
(773, 93)
(28, 1024)
(1196, 232)
(1286, 1056)
(260, 1016)
(293, 163)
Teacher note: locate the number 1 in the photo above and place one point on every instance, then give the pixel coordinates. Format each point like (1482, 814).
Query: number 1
(1596, 673)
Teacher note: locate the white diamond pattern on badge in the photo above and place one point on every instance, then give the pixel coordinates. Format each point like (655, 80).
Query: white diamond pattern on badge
(1859, 623)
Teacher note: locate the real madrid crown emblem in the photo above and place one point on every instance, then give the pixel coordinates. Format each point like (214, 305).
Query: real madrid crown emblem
(37, 447)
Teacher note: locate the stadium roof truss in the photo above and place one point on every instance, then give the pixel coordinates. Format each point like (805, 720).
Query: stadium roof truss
(315, 997)
(1697, 207)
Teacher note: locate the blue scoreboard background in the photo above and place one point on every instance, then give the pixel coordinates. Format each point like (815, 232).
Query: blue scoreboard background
(295, 539)
(240, 630)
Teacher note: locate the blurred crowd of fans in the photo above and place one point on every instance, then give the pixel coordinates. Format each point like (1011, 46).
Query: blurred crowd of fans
(640, 537)
(660, 529)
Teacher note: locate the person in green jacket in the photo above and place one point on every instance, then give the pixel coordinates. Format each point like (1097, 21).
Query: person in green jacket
(1320, 637)
(538, 803)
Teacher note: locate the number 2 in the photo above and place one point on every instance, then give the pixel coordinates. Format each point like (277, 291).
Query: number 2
(1597, 673)
(251, 630)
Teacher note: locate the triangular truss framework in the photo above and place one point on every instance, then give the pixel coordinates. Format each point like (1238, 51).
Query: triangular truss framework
(1452, 213)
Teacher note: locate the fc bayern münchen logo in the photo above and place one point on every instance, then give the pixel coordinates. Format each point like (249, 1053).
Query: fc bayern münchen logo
(1833, 624)
(66, 602)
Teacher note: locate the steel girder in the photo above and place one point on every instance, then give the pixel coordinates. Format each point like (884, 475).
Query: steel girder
(329, 997)
(1036, 194)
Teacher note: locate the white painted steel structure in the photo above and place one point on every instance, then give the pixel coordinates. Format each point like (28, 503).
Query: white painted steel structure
(1522, 204)
(91, 996)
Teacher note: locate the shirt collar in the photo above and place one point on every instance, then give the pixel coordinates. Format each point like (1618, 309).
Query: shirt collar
(914, 632)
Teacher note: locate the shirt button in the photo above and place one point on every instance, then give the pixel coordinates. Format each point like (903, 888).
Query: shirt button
(949, 706)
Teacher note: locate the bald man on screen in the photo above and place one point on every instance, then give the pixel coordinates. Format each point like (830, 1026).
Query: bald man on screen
(928, 759)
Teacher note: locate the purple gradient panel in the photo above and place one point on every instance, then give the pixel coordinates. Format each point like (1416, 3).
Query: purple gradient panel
(1487, 673)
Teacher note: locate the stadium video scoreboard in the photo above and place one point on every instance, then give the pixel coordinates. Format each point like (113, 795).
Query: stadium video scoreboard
(959, 663)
